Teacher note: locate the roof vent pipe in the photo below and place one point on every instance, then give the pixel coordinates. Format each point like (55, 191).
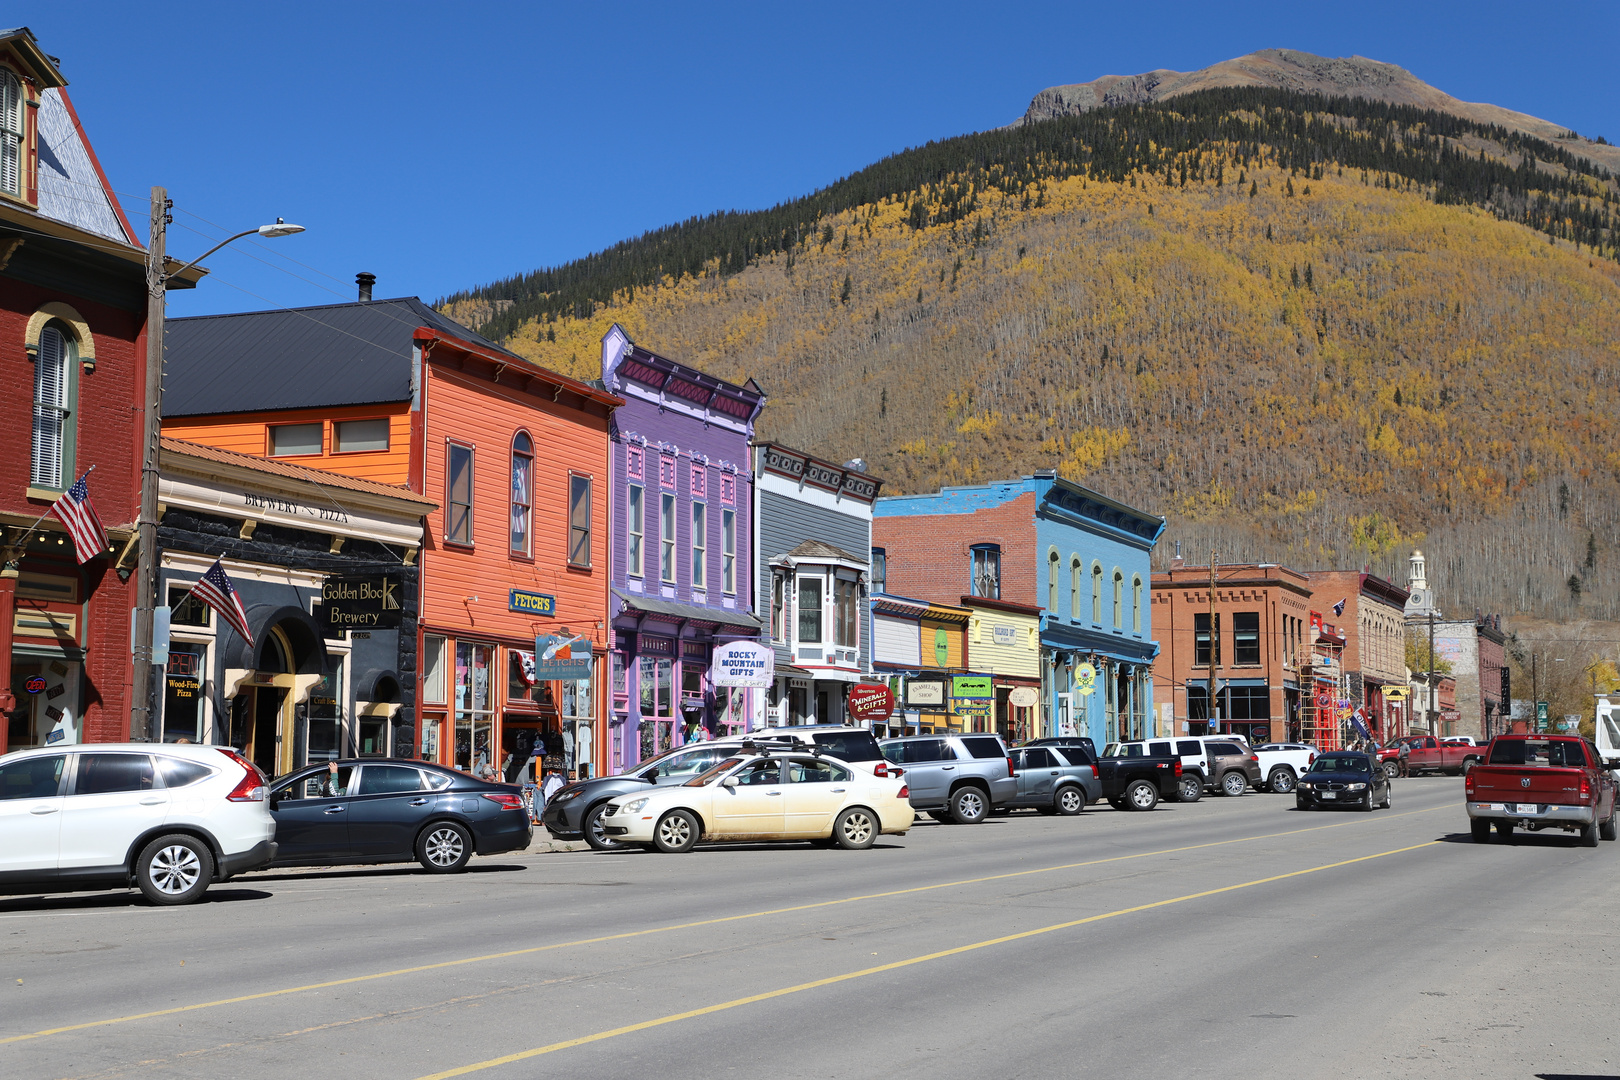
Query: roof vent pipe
(365, 281)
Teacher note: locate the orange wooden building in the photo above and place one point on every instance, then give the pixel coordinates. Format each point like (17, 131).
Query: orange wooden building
(515, 455)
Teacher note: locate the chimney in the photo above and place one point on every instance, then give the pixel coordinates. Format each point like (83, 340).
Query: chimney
(1177, 562)
(365, 281)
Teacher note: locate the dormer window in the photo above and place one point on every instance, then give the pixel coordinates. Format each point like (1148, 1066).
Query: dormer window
(13, 136)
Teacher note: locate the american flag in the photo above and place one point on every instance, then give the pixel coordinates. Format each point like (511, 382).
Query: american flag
(75, 511)
(215, 589)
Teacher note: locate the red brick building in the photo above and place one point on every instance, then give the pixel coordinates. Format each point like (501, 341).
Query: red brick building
(1261, 629)
(72, 324)
(1373, 622)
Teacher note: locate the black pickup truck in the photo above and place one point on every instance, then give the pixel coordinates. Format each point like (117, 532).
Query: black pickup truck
(1132, 780)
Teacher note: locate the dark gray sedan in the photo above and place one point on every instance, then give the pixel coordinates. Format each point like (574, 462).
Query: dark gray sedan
(575, 811)
(381, 810)
(1342, 778)
(1050, 781)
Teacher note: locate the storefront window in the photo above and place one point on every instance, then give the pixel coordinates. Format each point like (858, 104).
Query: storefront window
(657, 682)
(47, 695)
(182, 692)
(433, 669)
(430, 738)
(324, 741)
(474, 721)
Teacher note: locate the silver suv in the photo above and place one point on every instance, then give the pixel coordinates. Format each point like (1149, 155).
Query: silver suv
(955, 777)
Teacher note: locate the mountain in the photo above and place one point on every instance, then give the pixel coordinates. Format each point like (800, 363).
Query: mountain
(1303, 72)
(1307, 330)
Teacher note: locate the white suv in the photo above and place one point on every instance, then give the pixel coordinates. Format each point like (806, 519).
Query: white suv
(167, 818)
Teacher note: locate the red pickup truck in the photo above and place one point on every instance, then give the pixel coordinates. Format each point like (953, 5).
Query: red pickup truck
(1541, 782)
(1430, 754)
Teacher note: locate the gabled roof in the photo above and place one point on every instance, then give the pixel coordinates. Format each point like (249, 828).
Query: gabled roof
(72, 188)
(811, 550)
(297, 358)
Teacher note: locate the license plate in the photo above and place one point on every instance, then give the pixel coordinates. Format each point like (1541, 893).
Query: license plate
(1330, 794)
(1526, 808)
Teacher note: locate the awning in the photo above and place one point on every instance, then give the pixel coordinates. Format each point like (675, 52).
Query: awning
(670, 609)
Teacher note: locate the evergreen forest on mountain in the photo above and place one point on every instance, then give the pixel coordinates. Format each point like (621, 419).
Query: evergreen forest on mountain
(1305, 330)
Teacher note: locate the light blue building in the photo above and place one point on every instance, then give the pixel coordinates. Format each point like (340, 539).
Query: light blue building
(1081, 557)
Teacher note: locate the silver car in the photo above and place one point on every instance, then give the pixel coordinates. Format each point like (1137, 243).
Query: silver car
(956, 778)
(1050, 781)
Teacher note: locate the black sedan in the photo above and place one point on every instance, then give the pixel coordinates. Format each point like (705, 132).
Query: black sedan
(1342, 778)
(380, 810)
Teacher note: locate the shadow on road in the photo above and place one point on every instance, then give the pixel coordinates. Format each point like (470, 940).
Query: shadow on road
(1547, 838)
(113, 901)
(306, 873)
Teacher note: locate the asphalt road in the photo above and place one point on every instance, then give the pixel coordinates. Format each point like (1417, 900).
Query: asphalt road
(1232, 937)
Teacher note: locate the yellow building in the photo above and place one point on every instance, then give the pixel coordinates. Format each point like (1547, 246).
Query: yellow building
(1004, 642)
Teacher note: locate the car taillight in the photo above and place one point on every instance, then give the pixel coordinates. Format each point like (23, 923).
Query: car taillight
(1178, 766)
(1255, 758)
(505, 800)
(251, 788)
(1586, 788)
(903, 793)
(1468, 786)
(881, 769)
(1310, 759)
(1012, 770)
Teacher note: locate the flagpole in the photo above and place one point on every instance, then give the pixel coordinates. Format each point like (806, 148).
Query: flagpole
(32, 528)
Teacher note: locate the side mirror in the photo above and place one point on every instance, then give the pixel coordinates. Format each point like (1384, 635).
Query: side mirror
(730, 781)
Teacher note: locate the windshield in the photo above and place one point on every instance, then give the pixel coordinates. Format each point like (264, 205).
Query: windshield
(684, 764)
(1539, 753)
(1341, 763)
(715, 773)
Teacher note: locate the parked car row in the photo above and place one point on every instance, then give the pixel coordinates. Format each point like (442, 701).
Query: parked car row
(172, 819)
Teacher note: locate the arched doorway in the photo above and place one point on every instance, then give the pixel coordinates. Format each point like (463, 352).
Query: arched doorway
(268, 710)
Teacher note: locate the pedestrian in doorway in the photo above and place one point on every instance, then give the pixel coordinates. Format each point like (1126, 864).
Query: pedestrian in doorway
(1406, 752)
(554, 783)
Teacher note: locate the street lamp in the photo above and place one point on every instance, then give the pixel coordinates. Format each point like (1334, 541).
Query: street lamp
(141, 720)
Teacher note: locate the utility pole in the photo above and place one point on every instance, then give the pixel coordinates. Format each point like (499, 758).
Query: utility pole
(141, 727)
(1535, 696)
(1433, 712)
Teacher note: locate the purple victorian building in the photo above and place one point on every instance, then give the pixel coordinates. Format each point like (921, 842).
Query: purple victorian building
(681, 540)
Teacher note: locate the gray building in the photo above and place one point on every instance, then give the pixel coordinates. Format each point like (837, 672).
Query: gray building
(812, 564)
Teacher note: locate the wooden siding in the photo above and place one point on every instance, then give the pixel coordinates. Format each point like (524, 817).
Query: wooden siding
(785, 523)
(473, 411)
(955, 633)
(896, 641)
(249, 433)
(1021, 659)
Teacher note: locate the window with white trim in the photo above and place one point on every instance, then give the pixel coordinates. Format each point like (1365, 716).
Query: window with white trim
(728, 551)
(13, 133)
(700, 544)
(666, 538)
(635, 525)
(52, 446)
(810, 611)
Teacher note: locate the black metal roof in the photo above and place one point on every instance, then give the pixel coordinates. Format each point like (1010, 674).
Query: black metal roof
(297, 358)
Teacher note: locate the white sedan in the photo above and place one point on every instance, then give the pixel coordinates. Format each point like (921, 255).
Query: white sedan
(753, 796)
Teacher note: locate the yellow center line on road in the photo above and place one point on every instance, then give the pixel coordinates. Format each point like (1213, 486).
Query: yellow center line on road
(717, 921)
(832, 980)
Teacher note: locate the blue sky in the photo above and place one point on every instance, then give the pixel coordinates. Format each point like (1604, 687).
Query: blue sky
(442, 146)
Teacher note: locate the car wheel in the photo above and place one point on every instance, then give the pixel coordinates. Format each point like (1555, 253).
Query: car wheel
(1385, 804)
(595, 834)
(855, 829)
(1391, 770)
(1301, 804)
(1607, 830)
(1468, 763)
(1282, 780)
(1589, 836)
(1234, 784)
(676, 831)
(1116, 802)
(174, 870)
(1142, 795)
(1366, 806)
(1190, 788)
(1504, 830)
(1070, 801)
(444, 848)
(969, 806)
(1481, 829)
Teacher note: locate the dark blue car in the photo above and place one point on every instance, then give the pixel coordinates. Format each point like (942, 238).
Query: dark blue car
(379, 810)
(1342, 778)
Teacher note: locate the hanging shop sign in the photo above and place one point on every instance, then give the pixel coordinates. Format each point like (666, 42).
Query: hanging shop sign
(360, 603)
(1396, 693)
(925, 693)
(35, 684)
(1085, 679)
(870, 702)
(1022, 697)
(532, 603)
(979, 707)
(972, 686)
(743, 663)
(562, 656)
